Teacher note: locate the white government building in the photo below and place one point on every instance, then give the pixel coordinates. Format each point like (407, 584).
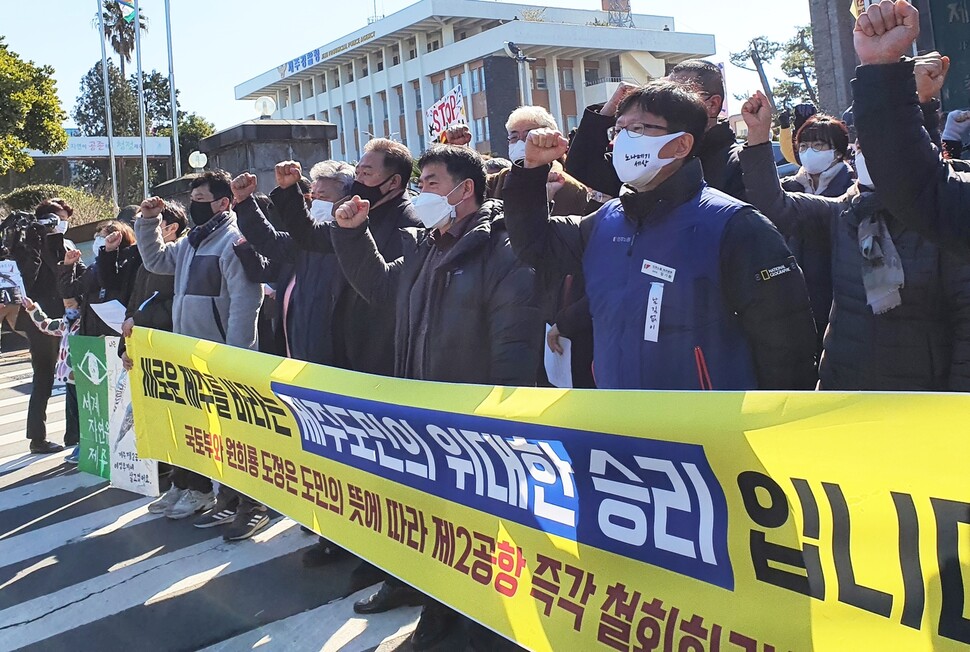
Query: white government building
(379, 80)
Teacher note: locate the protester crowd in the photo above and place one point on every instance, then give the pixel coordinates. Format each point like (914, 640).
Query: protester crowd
(672, 256)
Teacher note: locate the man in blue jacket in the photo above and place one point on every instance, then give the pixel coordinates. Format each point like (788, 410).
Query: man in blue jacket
(689, 288)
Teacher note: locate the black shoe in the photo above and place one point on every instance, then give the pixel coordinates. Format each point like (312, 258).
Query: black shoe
(45, 447)
(387, 598)
(435, 624)
(366, 574)
(323, 554)
(246, 523)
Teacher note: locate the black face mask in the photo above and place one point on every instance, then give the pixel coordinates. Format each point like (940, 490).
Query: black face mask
(201, 212)
(372, 194)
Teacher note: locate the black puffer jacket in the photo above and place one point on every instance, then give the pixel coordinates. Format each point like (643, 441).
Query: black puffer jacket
(589, 162)
(38, 259)
(147, 297)
(484, 323)
(921, 345)
(913, 182)
(84, 283)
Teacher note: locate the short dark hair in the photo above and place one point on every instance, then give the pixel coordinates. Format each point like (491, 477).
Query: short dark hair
(707, 74)
(397, 157)
(174, 214)
(826, 129)
(218, 182)
(53, 205)
(461, 162)
(681, 108)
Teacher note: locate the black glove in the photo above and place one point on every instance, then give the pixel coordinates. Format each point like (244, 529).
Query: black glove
(784, 119)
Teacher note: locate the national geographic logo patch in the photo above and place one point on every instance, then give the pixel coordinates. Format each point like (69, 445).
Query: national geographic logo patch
(779, 270)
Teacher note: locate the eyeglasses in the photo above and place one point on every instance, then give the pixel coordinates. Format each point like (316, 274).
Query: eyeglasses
(515, 136)
(635, 130)
(817, 146)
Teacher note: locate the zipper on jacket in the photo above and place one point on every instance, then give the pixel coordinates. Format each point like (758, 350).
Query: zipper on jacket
(218, 318)
(629, 251)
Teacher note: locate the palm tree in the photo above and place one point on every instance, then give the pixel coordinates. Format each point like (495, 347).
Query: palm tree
(119, 32)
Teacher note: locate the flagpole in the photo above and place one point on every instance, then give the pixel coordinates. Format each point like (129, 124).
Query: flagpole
(107, 107)
(141, 100)
(171, 86)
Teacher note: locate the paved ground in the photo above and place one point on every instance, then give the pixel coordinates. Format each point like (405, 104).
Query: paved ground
(84, 566)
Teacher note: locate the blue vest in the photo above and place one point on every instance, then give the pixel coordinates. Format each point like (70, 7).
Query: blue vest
(620, 265)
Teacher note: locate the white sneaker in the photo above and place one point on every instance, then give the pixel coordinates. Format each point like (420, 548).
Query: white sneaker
(190, 503)
(167, 501)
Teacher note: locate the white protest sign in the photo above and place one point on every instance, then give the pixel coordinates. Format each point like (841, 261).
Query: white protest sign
(445, 112)
(128, 470)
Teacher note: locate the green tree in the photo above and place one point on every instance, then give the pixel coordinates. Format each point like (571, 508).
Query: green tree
(798, 62)
(119, 32)
(30, 112)
(192, 129)
(89, 111)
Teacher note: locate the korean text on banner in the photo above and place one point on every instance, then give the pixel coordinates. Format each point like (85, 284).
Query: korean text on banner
(589, 520)
(447, 111)
(96, 369)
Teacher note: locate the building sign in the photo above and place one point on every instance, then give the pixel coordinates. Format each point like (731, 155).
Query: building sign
(304, 61)
(447, 111)
(97, 147)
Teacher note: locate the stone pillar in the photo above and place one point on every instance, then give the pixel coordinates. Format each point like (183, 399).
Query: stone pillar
(835, 59)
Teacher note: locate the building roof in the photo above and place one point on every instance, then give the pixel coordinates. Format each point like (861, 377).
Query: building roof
(544, 29)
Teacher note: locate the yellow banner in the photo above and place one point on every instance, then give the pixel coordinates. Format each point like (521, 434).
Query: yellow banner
(580, 520)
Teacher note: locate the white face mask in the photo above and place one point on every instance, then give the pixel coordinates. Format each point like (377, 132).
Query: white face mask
(98, 243)
(861, 171)
(321, 211)
(817, 162)
(636, 159)
(517, 151)
(61, 226)
(434, 209)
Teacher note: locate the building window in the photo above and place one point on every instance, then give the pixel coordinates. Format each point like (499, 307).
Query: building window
(284, 98)
(308, 89)
(396, 60)
(476, 76)
(592, 75)
(571, 123)
(567, 79)
(322, 82)
(380, 64)
(350, 72)
(297, 96)
(417, 95)
(540, 77)
(370, 116)
(363, 70)
(413, 51)
(434, 45)
(353, 116)
(325, 116)
(336, 78)
(488, 133)
(400, 99)
(481, 81)
(462, 36)
(438, 89)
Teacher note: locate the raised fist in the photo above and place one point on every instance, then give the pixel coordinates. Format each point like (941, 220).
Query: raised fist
(543, 146)
(886, 32)
(113, 241)
(151, 207)
(243, 187)
(756, 114)
(930, 70)
(71, 256)
(352, 213)
(624, 89)
(458, 135)
(288, 173)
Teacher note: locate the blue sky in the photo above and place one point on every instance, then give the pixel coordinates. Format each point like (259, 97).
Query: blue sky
(219, 43)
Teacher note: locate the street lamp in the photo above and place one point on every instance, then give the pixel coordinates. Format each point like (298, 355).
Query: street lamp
(198, 160)
(515, 52)
(265, 106)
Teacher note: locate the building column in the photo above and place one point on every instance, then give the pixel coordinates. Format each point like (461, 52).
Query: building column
(467, 94)
(579, 82)
(555, 93)
(424, 87)
(527, 83)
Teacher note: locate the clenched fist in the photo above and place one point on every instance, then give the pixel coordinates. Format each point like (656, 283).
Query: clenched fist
(288, 173)
(756, 113)
(543, 146)
(113, 241)
(352, 213)
(458, 135)
(624, 89)
(886, 32)
(930, 70)
(71, 256)
(151, 207)
(243, 187)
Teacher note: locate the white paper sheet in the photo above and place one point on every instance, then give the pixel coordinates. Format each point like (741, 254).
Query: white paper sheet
(559, 368)
(111, 313)
(10, 276)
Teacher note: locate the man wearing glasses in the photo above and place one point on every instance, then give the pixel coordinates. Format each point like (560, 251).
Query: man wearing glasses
(717, 150)
(688, 287)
